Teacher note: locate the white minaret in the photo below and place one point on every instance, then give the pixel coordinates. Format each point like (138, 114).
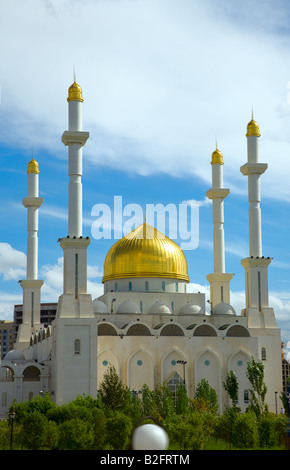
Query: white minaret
(74, 358)
(74, 245)
(219, 280)
(253, 169)
(32, 285)
(256, 265)
(75, 139)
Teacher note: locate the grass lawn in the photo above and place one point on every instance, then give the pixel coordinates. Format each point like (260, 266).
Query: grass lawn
(219, 444)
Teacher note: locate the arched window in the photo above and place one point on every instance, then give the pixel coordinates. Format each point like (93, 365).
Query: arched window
(174, 383)
(130, 286)
(263, 354)
(116, 287)
(238, 331)
(138, 330)
(204, 330)
(246, 397)
(146, 286)
(163, 286)
(176, 287)
(31, 374)
(105, 329)
(77, 346)
(172, 330)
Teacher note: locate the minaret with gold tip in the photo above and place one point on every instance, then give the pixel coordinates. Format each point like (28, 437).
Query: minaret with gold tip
(75, 139)
(219, 280)
(74, 245)
(32, 285)
(256, 265)
(74, 366)
(254, 169)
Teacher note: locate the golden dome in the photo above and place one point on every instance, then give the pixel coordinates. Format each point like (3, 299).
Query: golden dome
(75, 92)
(253, 129)
(145, 252)
(217, 157)
(33, 166)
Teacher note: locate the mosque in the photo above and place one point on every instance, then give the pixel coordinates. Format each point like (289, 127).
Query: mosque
(145, 324)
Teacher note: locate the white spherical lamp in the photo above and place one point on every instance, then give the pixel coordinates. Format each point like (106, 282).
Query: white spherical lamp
(149, 437)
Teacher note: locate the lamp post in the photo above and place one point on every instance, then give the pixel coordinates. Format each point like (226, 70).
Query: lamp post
(276, 401)
(12, 415)
(183, 363)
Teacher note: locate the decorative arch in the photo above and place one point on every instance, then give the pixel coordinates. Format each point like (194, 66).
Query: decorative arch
(169, 365)
(106, 358)
(7, 372)
(107, 329)
(205, 329)
(237, 331)
(140, 370)
(31, 374)
(208, 366)
(238, 364)
(171, 329)
(138, 329)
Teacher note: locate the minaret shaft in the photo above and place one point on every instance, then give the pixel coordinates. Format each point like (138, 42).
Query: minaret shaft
(31, 286)
(74, 245)
(256, 266)
(75, 138)
(219, 280)
(253, 170)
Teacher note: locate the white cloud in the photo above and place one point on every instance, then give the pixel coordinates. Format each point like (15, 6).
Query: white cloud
(193, 202)
(153, 102)
(7, 302)
(12, 262)
(52, 274)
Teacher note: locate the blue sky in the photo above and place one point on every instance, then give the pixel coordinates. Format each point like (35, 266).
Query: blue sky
(162, 80)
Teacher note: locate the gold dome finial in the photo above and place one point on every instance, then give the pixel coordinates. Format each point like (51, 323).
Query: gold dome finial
(253, 128)
(75, 91)
(217, 157)
(33, 166)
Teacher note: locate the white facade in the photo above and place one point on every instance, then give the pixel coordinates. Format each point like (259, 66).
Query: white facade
(144, 325)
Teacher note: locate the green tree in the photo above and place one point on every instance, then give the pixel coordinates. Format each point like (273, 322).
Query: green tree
(204, 392)
(147, 401)
(255, 374)
(114, 394)
(76, 434)
(245, 431)
(224, 425)
(99, 427)
(193, 432)
(182, 404)
(51, 436)
(34, 427)
(5, 434)
(272, 430)
(119, 429)
(163, 401)
(158, 403)
(69, 411)
(42, 404)
(231, 386)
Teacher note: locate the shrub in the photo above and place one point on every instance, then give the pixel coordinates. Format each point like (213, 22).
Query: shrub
(245, 431)
(119, 428)
(272, 430)
(76, 434)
